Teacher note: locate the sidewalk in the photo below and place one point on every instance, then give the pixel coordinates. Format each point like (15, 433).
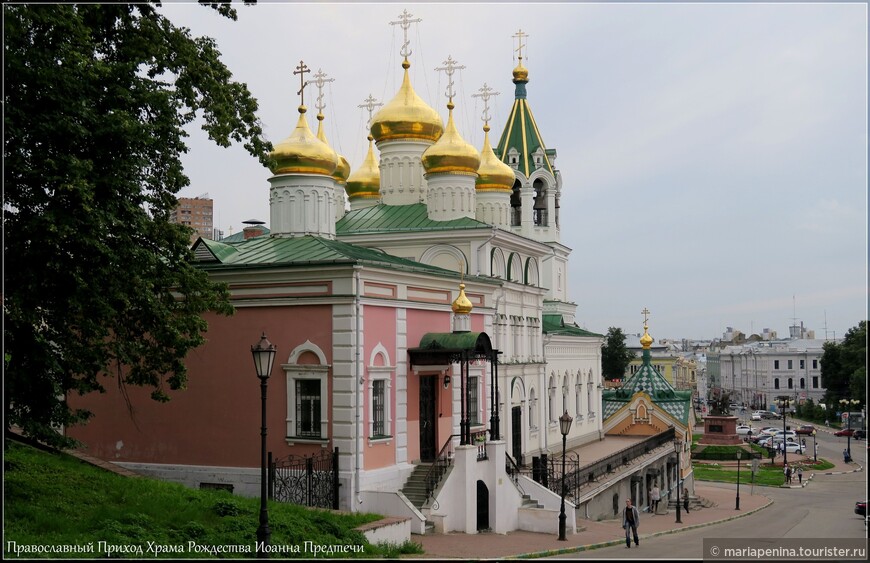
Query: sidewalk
(594, 534)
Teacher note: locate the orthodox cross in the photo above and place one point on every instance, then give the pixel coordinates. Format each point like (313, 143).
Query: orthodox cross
(520, 35)
(319, 80)
(370, 104)
(450, 67)
(485, 94)
(405, 21)
(301, 70)
(645, 313)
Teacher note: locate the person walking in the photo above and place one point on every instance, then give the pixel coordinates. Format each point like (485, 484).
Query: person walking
(630, 521)
(786, 471)
(686, 499)
(655, 496)
(800, 474)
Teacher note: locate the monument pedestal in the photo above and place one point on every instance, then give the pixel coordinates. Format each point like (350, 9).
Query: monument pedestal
(720, 431)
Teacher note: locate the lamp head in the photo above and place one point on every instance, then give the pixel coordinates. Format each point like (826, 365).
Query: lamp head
(264, 355)
(446, 381)
(565, 423)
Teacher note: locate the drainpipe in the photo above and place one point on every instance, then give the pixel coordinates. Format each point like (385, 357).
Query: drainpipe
(357, 383)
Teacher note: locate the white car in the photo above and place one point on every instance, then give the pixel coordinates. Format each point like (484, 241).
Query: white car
(794, 448)
(757, 415)
(743, 430)
(788, 435)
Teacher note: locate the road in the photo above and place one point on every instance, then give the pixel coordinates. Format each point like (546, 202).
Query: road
(823, 509)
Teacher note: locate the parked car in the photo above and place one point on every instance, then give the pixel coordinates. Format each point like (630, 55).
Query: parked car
(861, 508)
(788, 435)
(794, 448)
(859, 434)
(757, 415)
(743, 430)
(844, 432)
(770, 415)
(805, 429)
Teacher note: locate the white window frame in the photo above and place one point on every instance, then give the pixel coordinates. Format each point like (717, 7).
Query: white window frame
(477, 409)
(380, 373)
(294, 371)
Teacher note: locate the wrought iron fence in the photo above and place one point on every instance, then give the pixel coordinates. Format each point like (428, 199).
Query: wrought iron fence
(306, 480)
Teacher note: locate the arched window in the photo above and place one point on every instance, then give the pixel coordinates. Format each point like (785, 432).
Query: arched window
(533, 409)
(565, 394)
(790, 383)
(776, 383)
(589, 406)
(803, 383)
(552, 400)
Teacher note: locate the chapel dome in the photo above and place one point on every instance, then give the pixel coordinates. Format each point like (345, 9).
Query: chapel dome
(406, 116)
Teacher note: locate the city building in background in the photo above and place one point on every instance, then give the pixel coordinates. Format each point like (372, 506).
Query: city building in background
(196, 213)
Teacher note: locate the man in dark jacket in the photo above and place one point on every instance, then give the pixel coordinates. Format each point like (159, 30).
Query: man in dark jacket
(630, 521)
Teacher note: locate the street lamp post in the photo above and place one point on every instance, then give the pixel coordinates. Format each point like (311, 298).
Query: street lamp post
(678, 447)
(565, 426)
(815, 451)
(847, 404)
(264, 356)
(739, 456)
(783, 405)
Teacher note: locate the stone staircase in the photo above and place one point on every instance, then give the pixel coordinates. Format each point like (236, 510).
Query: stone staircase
(415, 487)
(695, 503)
(529, 502)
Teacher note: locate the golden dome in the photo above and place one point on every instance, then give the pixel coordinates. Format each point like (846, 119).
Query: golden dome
(303, 153)
(462, 305)
(342, 168)
(646, 340)
(365, 182)
(406, 116)
(521, 73)
(451, 153)
(493, 174)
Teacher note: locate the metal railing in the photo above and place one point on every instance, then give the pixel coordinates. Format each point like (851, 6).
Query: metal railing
(439, 467)
(514, 471)
(576, 477)
(479, 440)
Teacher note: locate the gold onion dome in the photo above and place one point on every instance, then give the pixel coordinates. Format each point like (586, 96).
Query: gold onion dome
(493, 174)
(365, 182)
(462, 305)
(303, 153)
(406, 116)
(521, 73)
(342, 168)
(646, 340)
(451, 153)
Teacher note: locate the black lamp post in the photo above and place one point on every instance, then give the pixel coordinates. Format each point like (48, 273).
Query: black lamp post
(678, 447)
(264, 356)
(815, 451)
(739, 456)
(783, 405)
(847, 404)
(565, 426)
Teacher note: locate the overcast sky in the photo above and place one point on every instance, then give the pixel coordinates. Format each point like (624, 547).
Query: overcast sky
(713, 156)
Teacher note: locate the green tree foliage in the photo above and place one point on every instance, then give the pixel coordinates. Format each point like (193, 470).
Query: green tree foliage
(98, 282)
(615, 356)
(844, 368)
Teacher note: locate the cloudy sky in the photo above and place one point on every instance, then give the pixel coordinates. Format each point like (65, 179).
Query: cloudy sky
(714, 156)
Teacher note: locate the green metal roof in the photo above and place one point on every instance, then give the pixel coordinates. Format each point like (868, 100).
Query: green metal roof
(397, 219)
(454, 340)
(555, 324)
(275, 251)
(521, 133)
(647, 379)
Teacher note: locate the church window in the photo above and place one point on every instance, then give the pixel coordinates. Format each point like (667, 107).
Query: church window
(776, 383)
(790, 384)
(378, 407)
(308, 408)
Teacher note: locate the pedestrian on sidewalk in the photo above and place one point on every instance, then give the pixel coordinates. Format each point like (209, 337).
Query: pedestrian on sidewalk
(686, 499)
(655, 496)
(630, 521)
(800, 474)
(786, 472)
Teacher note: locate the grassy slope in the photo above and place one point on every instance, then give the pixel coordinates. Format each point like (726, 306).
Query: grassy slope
(55, 499)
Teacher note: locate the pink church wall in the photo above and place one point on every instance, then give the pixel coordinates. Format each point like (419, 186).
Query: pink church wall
(380, 328)
(216, 420)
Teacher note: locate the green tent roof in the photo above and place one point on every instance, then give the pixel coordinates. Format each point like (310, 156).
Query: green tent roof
(399, 218)
(521, 133)
(648, 379)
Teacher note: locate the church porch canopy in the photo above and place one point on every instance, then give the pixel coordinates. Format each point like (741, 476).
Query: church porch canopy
(442, 348)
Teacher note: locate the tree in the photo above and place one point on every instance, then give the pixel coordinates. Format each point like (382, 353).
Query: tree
(615, 356)
(844, 371)
(98, 282)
